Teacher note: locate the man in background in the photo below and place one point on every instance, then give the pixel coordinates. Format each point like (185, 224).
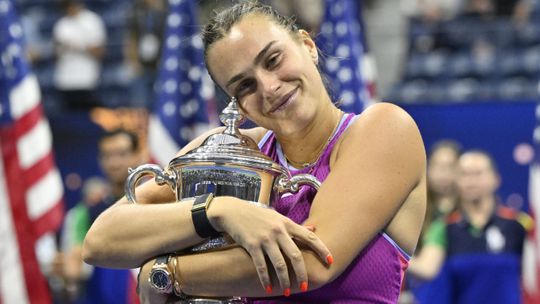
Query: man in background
(478, 248)
(118, 150)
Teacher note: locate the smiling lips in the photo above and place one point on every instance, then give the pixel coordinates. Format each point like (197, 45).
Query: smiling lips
(285, 101)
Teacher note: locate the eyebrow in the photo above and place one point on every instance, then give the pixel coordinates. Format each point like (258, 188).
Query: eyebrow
(258, 58)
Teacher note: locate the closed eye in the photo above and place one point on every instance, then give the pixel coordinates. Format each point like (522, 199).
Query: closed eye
(244, 87)
(273, 60)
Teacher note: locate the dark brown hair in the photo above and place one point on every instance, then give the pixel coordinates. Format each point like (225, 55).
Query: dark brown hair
(220, 24)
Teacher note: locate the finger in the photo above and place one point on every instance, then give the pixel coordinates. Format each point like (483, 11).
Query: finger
(291, 250)
(278, 261)
(312, 241)
(262, 270)
(310, 227)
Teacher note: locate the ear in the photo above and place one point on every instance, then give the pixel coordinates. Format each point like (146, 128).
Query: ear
(309, 44)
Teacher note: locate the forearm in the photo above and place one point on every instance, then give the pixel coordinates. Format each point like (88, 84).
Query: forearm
(198, 275)
(427, 263)
(126, 235)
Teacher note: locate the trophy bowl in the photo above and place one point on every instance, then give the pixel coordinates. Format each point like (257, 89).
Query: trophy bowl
(226, 164)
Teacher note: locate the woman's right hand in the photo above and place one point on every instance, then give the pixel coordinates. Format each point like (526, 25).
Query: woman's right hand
(261, 232)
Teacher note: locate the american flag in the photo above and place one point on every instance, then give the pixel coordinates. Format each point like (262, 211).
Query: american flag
(531, 259)
(348, 64)
(31, 189)
(184, 88)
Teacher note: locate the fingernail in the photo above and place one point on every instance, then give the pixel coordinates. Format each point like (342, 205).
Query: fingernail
(310, 228)
(329, 259)
(303, 286)
(287, 292)
(268, 289)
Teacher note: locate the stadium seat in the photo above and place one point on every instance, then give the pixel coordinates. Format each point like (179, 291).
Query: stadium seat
(463, 90)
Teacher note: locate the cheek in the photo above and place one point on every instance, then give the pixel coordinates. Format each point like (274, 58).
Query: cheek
(249, 105)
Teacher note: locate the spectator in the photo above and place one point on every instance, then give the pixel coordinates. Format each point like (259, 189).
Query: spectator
(308, 13)
(76, 223)
(79, 39)
(38, 47)
(442, 200)
(480, 244)
(143, 48)
(432, 11)
(441, 175)
(518, 10)
(118, 151)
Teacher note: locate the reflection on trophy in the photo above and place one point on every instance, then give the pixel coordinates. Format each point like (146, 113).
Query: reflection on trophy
(226, 164)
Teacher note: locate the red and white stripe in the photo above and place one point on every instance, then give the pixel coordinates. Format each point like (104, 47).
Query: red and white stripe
(31, 195)
(162, 146)
(531, 251)
(531, 254)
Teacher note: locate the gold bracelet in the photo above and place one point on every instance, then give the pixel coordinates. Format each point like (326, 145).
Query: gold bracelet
(176, 285)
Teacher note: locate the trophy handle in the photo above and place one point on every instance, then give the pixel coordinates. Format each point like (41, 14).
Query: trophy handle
(160, 176)
(292, 184)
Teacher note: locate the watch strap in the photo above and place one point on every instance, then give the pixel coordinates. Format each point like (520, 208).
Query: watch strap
(200, 220)
(162, 259)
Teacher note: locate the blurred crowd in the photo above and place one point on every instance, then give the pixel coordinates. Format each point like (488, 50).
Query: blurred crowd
(471, 241)
(471, 50)
(425, 51)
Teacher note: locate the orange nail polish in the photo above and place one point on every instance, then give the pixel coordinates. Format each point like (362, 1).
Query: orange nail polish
(268, 289)
(329, 259)
(310, 228)
(303, 286)
(287, 292)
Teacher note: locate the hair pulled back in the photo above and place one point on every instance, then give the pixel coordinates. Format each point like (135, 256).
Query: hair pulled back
(221, 23)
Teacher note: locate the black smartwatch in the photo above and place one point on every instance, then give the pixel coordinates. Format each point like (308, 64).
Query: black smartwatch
(161, 278)
(200, 220)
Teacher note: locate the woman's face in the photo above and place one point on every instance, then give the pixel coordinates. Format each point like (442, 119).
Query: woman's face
(476, 178)
(271, 73)
(441, 171)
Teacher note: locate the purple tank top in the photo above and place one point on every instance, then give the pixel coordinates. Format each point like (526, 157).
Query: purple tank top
(374, 276)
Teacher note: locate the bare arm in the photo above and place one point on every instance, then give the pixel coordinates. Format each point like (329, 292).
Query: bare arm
(427, 264)
(429, 260)
(378, 165)
(126, 235)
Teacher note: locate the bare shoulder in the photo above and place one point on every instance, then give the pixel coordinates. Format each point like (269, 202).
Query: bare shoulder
(386, 116)
(383, 119)
(385, 131)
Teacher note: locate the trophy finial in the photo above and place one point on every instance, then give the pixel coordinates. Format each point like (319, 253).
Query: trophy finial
(231, 117)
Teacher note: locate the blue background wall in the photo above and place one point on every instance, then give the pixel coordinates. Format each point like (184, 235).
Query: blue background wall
(495, 127)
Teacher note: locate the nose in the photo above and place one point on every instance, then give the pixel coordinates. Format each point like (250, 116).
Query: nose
(270, 84)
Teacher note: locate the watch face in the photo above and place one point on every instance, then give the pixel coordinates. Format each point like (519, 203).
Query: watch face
(160, 279)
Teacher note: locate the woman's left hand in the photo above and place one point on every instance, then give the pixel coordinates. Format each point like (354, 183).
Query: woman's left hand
(261, 232)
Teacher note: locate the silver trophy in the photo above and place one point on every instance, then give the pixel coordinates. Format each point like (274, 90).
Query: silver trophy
(226, 164)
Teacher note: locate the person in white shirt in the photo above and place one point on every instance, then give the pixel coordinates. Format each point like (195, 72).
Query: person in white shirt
(80, 38)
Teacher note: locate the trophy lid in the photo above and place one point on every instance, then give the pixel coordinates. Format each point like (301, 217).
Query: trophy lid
(229, 147)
